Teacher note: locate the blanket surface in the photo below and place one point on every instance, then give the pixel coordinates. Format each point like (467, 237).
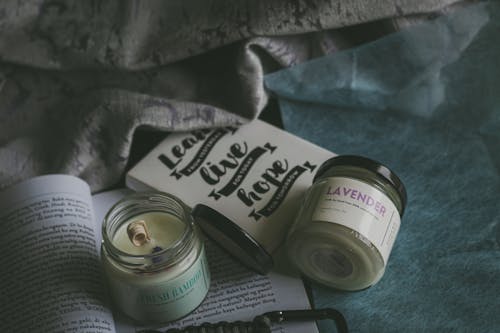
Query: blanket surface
(425, 102)
(78, 78)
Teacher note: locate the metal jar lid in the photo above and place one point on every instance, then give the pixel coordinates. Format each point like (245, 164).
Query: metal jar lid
(231, 237)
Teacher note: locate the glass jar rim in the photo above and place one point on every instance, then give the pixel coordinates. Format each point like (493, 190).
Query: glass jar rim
(137, 201)
(373, 166)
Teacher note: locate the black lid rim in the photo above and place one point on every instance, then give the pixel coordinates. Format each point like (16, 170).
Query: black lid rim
(257, 258)
(369, 164)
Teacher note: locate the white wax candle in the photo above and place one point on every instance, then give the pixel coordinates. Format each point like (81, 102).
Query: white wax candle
(146, 283)
(344, 232)
(163, 229)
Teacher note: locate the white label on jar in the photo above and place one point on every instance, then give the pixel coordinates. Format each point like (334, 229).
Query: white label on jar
(360, 207)
(162, 300)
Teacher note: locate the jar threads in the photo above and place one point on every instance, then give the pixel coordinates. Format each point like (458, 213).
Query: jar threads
(161, 273)
(348, 222)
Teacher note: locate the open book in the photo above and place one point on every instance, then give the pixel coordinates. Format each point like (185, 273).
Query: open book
(52, 279)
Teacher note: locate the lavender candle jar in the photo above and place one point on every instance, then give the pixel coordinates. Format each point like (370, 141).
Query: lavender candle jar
(347, 225)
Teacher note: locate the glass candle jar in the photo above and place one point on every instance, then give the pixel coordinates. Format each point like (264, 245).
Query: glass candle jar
(153, 258)
(348, 222)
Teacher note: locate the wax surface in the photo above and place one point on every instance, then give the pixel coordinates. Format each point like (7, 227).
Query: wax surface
(164, 229)
(332, 255)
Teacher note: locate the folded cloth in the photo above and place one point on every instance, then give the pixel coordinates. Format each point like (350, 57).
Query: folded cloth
(424, 101)
(78, 78)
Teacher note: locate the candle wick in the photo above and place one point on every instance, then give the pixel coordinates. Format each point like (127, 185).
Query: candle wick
(138, 233)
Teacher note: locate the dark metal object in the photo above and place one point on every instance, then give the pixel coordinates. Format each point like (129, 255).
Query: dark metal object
(262, 323)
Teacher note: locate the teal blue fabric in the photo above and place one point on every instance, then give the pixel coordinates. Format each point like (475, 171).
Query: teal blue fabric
(425, 102)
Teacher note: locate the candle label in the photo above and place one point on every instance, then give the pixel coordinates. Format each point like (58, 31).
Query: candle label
(150, 298)
(358, 206)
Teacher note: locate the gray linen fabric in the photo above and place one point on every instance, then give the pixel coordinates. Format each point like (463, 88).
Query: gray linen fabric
(77, 78)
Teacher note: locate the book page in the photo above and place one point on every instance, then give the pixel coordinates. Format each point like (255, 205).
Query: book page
(52, 280)
(236, 293)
